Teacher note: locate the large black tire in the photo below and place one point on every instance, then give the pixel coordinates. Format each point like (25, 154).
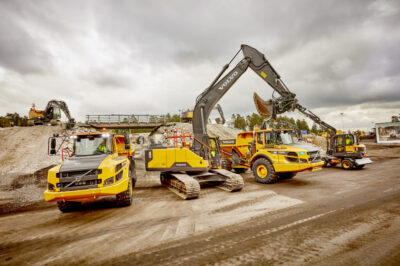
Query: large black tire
(347, 164)
(240, 170)
(287, 175)
(68, 206)
(125, 198)
(132, 172)
(264, 172)
(226, 164)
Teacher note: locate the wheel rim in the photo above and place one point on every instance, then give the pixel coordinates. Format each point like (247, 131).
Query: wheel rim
(346, 164)
(262, 171)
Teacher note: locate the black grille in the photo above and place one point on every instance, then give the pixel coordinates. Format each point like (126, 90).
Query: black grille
(69, 180)
(314, 156)
(292, 159)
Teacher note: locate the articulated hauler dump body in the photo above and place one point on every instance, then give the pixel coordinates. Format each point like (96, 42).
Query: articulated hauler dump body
(102, 164)
(272, 154)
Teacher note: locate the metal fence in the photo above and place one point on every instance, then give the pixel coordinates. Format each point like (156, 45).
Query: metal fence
(116, 118)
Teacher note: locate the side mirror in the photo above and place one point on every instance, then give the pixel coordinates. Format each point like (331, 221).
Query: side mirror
(127, 143)
(51, 146)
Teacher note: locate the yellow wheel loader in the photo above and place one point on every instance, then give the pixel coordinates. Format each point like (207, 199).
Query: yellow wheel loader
(102, 164)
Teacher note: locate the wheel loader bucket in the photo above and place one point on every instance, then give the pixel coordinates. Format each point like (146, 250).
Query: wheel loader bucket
(265, 108)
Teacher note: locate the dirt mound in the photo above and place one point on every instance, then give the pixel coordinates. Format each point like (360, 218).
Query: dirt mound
(315, 140)
(224, 132)
(23, 165)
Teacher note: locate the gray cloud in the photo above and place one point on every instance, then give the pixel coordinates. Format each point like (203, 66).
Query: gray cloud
(160, 55)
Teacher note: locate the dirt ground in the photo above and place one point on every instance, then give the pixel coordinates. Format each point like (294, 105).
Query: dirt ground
(330, 217)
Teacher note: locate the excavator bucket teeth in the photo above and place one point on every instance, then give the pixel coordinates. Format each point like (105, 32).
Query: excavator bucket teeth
(264, 108)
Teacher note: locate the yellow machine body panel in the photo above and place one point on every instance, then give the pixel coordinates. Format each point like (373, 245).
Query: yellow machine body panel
(35, 114)
(284, 158)
(112, 176)
(174, 159)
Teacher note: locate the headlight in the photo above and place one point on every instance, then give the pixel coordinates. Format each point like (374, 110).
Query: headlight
(109, 181)
(50, 186)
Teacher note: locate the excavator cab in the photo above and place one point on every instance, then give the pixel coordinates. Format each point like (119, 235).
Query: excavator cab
(215, 152)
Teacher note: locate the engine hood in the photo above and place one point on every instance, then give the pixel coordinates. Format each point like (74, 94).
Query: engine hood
(305, 146)
(82, 163)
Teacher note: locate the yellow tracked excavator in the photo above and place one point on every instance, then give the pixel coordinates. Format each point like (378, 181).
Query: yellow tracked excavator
(184, 169)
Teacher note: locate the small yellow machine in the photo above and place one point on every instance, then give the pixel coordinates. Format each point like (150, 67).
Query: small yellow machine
(102, 164)
(51, 114)
(271, 154)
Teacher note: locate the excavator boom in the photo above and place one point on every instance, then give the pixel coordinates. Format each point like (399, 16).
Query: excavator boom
(206, 101)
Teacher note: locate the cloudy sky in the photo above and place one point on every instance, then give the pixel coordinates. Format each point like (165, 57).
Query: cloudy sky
(154, 57)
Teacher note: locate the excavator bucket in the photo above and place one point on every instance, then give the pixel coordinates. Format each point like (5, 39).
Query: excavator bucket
(265, 108)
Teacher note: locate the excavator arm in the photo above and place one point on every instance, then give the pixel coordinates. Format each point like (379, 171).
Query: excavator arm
(331, 130)
(206, 101)
(221, 113)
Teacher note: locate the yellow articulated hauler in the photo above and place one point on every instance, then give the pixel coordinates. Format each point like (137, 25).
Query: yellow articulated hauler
(271, 154)
(102, 165)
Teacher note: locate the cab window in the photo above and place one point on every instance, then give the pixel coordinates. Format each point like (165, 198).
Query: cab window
(349, 140)
(260, 138)
(339, 141)
(268, 138)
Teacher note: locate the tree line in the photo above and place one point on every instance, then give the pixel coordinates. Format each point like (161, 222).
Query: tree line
(250, 121)
(14, 119)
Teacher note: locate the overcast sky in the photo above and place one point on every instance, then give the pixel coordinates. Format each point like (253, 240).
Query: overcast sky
(154, 57)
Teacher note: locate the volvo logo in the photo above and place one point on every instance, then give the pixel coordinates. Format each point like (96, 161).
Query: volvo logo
(228, 80)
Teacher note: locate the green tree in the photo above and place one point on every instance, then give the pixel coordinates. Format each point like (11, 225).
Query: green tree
(254, 120)
(239, 121)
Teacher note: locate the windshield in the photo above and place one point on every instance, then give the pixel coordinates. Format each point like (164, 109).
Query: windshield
(92, 145)
(286, 137)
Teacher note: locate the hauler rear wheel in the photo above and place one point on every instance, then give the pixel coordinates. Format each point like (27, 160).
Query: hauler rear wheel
(226, 164)
(347, 164)
(264, 172)
(240, 170)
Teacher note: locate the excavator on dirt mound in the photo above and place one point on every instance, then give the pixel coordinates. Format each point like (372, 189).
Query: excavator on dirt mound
(51, 114)
(183, 169)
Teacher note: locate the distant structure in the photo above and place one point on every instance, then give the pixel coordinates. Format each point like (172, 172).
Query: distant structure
(388, 132)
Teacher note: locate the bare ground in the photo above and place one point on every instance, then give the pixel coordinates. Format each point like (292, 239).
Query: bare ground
(328, 217)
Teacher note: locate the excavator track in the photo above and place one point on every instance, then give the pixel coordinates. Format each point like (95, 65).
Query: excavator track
(182, 185)
(233, 182)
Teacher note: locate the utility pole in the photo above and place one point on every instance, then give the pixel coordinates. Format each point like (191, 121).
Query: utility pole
(341, 115)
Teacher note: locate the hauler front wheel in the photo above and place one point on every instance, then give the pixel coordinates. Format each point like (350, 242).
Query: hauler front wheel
(264, 172)
(125, 198)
